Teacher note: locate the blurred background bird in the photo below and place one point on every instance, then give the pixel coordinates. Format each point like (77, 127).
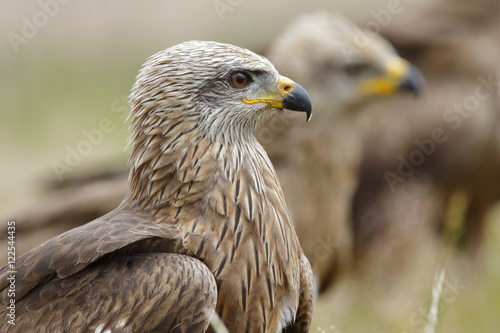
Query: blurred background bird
(396, 236)
(345, 70)
(429, 177)
(442, 154)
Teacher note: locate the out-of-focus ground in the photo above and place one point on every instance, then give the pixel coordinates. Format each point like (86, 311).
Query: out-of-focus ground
(75, 68)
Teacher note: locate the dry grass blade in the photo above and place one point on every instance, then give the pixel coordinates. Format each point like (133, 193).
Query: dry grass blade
(217, 324)
(437, 290)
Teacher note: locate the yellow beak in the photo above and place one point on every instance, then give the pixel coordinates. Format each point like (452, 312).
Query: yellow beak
(399, 75)
(289, 95)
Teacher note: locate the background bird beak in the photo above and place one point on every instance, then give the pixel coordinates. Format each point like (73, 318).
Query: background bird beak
(399, 75)
(414, 81)
(290, 96)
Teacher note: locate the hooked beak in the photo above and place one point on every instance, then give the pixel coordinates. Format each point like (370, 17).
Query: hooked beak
(289, 95)
(399, 76)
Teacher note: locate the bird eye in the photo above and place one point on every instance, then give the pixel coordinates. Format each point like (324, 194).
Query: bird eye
(355, 69)
(239, 79)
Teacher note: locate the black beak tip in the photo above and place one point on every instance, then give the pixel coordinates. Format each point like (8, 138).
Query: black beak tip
(414, 81)
(298, 100)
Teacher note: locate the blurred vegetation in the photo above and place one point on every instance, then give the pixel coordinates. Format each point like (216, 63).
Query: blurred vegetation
(47, 103)
(470, 301)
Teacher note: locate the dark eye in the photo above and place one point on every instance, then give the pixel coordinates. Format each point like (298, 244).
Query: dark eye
(355, 69)
(239, 79)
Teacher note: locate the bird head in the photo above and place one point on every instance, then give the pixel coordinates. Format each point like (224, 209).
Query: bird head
(220, 90)
(338, 61)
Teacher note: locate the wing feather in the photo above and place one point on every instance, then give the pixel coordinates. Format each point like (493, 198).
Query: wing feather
(75, 249)
(133, 292)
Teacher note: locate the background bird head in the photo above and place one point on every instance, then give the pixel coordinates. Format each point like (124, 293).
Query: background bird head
(221, 90)
(331, 56)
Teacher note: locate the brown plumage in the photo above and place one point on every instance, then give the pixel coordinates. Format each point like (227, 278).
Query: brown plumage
(456, 44)
(204, 219)
(344, 70)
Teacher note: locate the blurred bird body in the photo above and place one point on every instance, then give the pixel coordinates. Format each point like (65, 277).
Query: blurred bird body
(319, 170)
(457, 47)
(204, 226)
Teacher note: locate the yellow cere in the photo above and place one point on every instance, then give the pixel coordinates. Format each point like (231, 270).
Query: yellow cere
(396, 71)
(274, 99)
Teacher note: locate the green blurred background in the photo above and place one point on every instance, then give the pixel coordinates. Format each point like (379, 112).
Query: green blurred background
(77, 70)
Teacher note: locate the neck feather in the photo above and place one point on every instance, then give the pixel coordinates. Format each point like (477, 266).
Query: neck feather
(176, 164)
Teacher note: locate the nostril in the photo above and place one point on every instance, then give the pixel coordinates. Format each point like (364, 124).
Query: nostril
(287, 88)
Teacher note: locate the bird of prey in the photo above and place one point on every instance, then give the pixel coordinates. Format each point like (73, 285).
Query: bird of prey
(456, 44)
(344, 69)
(204, 226)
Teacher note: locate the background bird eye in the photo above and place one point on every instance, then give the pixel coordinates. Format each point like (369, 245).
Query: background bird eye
(355, 69)
(239, 79)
